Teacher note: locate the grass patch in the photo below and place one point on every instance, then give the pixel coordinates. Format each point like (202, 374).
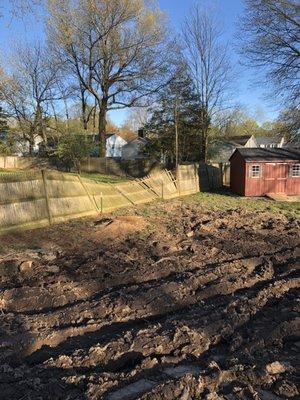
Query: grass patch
(9, 171)
(104, 178)
(227, 201)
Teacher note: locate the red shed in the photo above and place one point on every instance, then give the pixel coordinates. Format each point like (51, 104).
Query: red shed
(258, 171)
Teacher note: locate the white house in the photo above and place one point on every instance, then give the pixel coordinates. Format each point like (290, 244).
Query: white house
(114, 144)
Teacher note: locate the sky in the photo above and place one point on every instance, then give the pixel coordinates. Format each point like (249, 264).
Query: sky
(246, 93)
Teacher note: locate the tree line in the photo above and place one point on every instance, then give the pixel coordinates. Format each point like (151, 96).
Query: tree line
(102, 55)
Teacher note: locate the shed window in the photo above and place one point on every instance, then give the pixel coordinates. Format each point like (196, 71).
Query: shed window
(295, 170)
(255, 171)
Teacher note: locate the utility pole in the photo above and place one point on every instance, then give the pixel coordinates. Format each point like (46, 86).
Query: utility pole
(176, 133)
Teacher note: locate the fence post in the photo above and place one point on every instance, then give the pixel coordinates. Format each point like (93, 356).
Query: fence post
(123, 194)
(101, 202)
(44, 177)
(88, 194)
(178, 183)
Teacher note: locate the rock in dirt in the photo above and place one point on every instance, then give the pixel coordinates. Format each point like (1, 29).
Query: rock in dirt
(26, 267)
(190, 234)
(275, 368)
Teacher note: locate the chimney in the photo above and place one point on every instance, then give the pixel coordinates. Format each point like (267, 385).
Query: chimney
(141, 133)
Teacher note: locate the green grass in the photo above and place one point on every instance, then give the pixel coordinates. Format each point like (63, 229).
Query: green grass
(104, 178)
(8, 171)
(227, 201)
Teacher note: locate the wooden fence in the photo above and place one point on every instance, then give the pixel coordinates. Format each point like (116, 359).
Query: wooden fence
(16, 162)
(114, 166)
(36, 199)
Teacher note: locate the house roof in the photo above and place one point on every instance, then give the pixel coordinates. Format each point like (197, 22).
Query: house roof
(127, 136)
(267, 140)
(138, 139)
(263, 154)
(239, 140)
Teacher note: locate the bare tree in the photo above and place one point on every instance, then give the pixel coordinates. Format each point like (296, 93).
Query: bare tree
(270, 41)
(116, 49)
(30, 89)
(207, 60)
(288, 124)
(137, 118)
(19, 8)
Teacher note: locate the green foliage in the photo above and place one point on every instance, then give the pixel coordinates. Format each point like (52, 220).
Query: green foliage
(180, 96)
(4, 149)
(3, 121)
(73, 148)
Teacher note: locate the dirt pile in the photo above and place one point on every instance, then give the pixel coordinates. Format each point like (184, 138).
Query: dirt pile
(189, 305)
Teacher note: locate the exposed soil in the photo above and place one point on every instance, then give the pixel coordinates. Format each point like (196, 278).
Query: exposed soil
(183, 303)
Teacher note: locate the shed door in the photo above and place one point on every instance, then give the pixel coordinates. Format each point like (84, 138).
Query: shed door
(275, 177)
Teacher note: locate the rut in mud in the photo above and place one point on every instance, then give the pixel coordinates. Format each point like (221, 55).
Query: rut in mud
(197, 305)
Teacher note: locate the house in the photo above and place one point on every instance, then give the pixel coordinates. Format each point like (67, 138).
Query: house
(224, 148)
(269, 142)
(135, 149)
(21, 146)
(115, 143)
(259, 171)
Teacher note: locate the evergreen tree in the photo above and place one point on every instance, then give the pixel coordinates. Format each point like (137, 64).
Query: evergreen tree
(178, 101)
(3, 121)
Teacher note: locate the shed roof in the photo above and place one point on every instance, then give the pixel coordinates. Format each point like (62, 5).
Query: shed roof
(263, 154)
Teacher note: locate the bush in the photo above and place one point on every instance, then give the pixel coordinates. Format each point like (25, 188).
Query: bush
(4, 149)
(73, 148)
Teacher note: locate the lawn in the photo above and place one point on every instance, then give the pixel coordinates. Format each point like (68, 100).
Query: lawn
(225, 200)
(102, 178)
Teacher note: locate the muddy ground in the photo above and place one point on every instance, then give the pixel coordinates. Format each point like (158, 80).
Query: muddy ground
(171, 302)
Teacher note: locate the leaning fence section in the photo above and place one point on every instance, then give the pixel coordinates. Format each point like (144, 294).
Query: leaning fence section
(29, 200)
(22, 201)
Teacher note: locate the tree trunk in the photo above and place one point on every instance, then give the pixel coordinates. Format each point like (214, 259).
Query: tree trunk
(102, 126)
(204, 128)
(31, 146)
(83, 111)
(203, 150)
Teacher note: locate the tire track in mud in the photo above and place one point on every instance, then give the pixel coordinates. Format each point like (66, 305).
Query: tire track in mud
(146, 300)
(35, 300)
(194, 329)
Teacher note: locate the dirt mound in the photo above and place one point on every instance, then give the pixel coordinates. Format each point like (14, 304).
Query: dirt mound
(118, 227)
(204, 306)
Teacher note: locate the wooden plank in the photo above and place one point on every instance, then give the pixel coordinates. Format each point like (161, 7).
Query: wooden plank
(46, 196)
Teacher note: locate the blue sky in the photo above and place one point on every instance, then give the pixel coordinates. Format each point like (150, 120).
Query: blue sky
(228, 11)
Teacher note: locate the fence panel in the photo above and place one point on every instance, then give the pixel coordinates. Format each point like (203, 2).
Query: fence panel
(188, 179)
(106, 196)
(45, 197)
(22, 200)
(162, 183)
(67, 197)
(135, 192)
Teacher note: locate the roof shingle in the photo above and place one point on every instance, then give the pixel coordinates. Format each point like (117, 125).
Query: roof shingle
(263, 154)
